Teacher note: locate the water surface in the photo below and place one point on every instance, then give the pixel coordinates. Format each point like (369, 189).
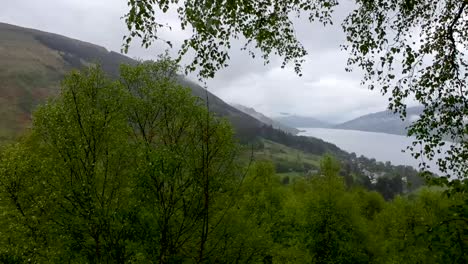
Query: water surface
(382, 147)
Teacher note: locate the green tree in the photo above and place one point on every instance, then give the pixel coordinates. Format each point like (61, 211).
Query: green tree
(389, 187)
(417, 49)
(289, 228)
(69, 176)
(253, 220)
(134, 170)
(371, 203)
(24, 219)
(188, 171)
(420, 229)
(334, 228)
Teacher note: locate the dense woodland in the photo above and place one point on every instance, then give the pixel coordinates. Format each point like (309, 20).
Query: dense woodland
(127, 166)
(137, 170)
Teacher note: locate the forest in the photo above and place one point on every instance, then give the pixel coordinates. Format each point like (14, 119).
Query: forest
(137, 170)
(131, 165)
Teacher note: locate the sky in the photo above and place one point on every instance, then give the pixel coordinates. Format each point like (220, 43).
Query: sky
(325, 91)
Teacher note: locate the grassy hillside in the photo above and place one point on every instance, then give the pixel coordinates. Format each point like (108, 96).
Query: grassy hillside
(287, 159)
(29, 73)
(33, 62)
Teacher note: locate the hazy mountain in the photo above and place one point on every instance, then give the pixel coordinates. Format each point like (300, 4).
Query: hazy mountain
(301, 121)
(33, 62)
(266, 120)
(383, 122)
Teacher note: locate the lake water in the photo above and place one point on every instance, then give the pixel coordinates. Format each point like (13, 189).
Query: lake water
(382, 147)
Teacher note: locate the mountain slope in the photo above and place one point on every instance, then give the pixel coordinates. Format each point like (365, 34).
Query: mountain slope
(32, 64)
(383, 122)
(301, 121)
(266, 120)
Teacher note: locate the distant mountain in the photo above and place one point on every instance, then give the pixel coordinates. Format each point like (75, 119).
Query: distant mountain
(301, 121)
(383, 122)
(266, 120)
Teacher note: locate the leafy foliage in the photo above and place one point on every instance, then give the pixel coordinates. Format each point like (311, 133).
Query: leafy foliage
(136, 170)
(128, 170)
(265, 25)
(417, 50)
(407, 49)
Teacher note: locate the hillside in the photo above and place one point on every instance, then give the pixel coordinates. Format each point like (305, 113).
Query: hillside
(383, 122)
(266, 120)
(301, 121)
(32, 64)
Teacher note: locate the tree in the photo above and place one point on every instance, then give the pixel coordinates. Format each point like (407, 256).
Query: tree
(420, 229)
(134, 170)
(68, 183)
(266, 25)
(408, 49)
(417, 49)
(254, 220)
(188, 166)
(334, 228)
(24, 221)
(389, 187)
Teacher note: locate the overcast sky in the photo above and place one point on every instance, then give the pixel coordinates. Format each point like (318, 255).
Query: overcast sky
(324, 91)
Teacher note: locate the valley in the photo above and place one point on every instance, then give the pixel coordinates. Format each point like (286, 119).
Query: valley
(33, 63)
(109, 159)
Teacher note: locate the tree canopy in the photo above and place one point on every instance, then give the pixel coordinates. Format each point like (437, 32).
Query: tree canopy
(119, 171)
(136, 170)
(418, 50)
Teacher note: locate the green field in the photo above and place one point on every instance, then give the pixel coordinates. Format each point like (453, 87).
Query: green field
(288, 161)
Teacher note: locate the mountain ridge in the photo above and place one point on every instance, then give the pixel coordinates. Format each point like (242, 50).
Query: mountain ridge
(33, 63)
(383, 122)
(299, 121)
(266, 120)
